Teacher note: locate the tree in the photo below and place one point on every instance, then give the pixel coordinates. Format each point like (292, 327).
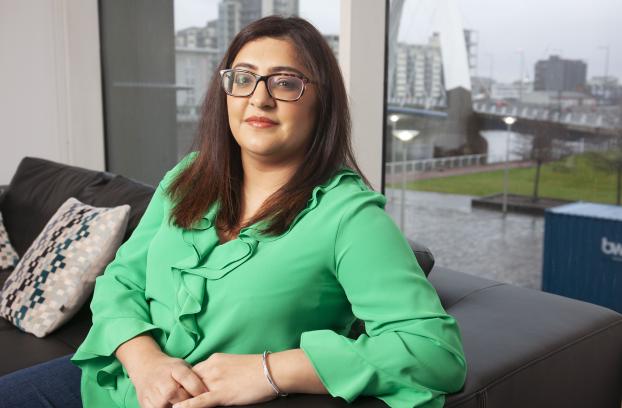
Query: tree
(545, 146)
(610, 161)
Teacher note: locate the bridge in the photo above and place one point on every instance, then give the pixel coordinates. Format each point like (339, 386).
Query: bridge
(579, 123)
(452, 123)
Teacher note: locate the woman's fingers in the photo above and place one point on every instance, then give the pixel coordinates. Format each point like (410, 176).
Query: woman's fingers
(164, 394)
(147, 403)
(188, 379)
(179, 396)
(205, 400)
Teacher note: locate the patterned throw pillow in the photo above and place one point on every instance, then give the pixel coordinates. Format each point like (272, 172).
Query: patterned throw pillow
(57, 273)
(8, 256)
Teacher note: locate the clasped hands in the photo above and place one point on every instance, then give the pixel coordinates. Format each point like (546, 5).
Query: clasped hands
(221, 380)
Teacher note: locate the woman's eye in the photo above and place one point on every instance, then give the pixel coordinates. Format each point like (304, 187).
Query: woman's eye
(284, 83)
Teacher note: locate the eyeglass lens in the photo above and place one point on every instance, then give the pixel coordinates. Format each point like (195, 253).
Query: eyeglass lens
(280, 86)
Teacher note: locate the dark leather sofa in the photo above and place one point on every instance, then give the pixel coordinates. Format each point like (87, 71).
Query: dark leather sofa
(524, 348)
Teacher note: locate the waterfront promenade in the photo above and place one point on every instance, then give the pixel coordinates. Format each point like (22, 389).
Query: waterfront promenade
(472, 240)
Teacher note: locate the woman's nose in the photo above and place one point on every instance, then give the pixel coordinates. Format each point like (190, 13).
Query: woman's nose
(261, 98)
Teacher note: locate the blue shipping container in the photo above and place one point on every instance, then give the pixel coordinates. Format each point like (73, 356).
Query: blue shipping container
(583, 253)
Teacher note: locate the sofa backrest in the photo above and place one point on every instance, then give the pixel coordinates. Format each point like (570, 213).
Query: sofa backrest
(39, 187)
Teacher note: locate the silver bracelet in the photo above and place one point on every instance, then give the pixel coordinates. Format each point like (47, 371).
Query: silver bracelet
(269, 377)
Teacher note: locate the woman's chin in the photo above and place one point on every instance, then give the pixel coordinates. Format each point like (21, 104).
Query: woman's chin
(262, 150)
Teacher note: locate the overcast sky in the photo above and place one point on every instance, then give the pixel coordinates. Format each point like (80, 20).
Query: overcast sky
(571, 28)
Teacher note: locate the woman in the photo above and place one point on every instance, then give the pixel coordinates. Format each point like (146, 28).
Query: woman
(266, 237)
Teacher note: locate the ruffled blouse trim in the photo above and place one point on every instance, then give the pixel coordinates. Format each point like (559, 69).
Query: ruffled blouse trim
(312, 203)
(208, 259)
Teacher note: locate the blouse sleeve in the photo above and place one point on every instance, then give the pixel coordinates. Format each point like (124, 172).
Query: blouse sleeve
(120, 310)
(411, 354)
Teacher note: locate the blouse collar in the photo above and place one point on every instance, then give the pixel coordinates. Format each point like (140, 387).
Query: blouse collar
(254, 231)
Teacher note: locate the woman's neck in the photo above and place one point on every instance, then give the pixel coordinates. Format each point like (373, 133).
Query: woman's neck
(262, 179)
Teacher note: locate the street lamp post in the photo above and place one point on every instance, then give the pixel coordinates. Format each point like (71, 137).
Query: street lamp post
(404, 136)
(490, 72)
(606, 49)
(393, 119)
(509, 121)
(522, 71)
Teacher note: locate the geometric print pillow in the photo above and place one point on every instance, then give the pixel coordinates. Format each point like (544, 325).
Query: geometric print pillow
(8, 256)
(57, 273)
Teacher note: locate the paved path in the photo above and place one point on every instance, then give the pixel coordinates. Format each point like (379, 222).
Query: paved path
(476, 241)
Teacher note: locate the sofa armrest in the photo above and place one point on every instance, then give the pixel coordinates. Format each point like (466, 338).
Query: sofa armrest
(424, 256)
(527, 348)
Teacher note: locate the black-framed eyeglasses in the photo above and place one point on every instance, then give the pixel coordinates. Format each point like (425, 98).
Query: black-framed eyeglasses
(283, 86)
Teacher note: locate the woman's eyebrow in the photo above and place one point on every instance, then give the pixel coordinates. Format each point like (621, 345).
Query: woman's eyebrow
(280, 68)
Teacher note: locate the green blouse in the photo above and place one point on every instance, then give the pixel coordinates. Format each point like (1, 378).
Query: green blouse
(343, 257)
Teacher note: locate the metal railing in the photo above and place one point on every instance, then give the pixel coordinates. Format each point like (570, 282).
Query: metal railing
(453, 162)
(435, 164)
(597, 119)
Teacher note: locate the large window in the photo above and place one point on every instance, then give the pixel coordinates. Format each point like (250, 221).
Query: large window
(204, 29)
(509, 108)
(496, 111)
(158, 58)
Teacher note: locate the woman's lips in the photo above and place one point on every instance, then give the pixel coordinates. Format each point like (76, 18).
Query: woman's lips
(260, 122)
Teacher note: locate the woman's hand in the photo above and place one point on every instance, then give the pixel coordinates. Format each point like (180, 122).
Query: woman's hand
(162, 380)
(232, 379)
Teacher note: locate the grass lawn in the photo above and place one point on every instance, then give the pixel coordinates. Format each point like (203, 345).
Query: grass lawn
(570, 179)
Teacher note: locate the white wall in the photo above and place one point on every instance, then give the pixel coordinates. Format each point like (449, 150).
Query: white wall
(50, 83)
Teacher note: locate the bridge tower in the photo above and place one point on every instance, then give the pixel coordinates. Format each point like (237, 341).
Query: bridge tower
(459, 133)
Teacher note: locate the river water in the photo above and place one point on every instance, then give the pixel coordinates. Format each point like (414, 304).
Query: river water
(497, 140)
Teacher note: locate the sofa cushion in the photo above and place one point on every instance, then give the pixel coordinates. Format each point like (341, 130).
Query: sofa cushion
(8, 256)
(4, 274)
(20, 350)
(37, 190)
(57, 273)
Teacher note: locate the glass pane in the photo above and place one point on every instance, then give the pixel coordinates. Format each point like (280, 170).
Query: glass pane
(138, 69)
(204, 29)
(158, 59)
(510, 108)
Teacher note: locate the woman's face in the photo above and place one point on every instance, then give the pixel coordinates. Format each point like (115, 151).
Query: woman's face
(284, 140)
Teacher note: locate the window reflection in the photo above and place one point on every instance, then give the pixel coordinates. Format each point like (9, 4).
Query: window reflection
(457, 69)
(203, 31)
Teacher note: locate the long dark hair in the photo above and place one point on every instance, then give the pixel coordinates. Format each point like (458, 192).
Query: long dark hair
(216, 173)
